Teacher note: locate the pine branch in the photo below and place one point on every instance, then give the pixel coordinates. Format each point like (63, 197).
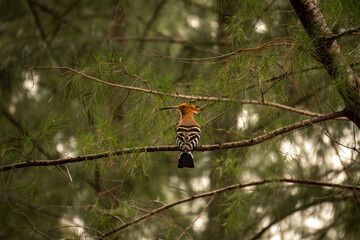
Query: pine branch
(19, 126)
(230, 188)
(182, 96)
(213, 147)
(272, 43)
(350, 31)
(329, 54)
(283, 76)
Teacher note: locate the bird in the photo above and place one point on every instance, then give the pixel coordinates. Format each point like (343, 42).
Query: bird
(187, 133)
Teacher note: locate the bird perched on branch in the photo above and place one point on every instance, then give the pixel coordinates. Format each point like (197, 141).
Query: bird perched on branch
(187, 133)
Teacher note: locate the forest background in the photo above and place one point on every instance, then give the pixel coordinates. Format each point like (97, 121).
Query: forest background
(86, 153)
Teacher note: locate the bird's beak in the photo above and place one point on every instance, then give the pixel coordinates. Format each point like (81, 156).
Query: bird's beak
(172, 107)
(198, 110)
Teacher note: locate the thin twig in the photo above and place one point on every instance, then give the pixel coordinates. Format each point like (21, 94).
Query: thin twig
(182, 96)
(273, 43)
(19, 126)
(168, 40)
(136, 77)
(38, 23)
(152, 19)
(213, 118)
(350, 31)
(75, 226)
(221, 146)
(233, 187)
(283, 76)
(31, 223)
(41, 29)
(193, 222)
(335, 147)
(61, 18)
(53, 214)
(326, 133)
(291, 212)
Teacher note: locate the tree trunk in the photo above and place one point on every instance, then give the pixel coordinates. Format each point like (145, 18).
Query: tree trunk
(329, 54)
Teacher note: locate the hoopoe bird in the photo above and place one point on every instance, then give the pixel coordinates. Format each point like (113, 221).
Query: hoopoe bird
(187, 133)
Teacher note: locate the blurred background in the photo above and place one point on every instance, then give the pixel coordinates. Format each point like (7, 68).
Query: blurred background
(240, 50)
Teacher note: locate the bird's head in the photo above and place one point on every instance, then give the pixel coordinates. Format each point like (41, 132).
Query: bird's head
(185, 108)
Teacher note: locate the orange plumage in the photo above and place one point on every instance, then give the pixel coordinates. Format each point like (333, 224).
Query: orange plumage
(187, 133)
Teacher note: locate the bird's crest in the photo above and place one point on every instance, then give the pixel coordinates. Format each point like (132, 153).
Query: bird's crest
(188, 106)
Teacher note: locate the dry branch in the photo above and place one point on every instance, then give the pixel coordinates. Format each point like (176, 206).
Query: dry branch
(229, 188)
(182, 96)
(276, 42)
(221, 146)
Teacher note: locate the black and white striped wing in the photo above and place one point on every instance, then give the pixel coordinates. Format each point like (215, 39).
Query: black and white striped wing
(187, 137)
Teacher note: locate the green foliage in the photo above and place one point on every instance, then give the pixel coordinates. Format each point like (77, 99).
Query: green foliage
(172, 47)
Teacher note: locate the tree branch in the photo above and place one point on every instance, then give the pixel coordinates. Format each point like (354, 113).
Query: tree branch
(221, 146)
(292, 211)
(153, 17)
(41, 29)
(272, 43)
(329, 53)
(182, 96)
(233, 187)
(61, 18)
(197, 217)
(290, 73)
(350, 31)
(168, 40)
(19, 126)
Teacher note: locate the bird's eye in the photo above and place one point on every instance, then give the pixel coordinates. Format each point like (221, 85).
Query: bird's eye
(183, 106)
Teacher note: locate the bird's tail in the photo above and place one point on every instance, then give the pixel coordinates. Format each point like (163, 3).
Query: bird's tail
(186, 160)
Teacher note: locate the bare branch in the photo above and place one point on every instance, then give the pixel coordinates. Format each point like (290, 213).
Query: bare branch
(38, 22)
(153, 17)
(287, 74)
(350, 31)
(168, 40)
(292, 211)
(40, 28)
(192, 223)
(233, 187)
(54, 214)
(273, 43)
(61, 18)
(182, 96)
(283, 76)
(32, 224)
(221, 146)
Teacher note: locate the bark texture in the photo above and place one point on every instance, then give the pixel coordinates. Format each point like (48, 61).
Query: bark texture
(329, 54)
